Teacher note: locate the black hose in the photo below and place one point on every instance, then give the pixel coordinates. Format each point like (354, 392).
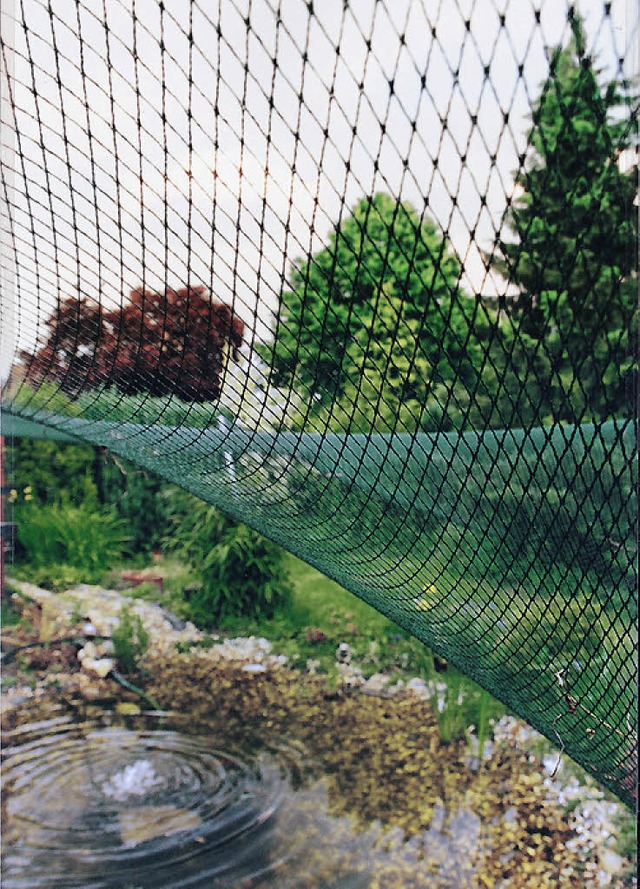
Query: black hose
(7, 656)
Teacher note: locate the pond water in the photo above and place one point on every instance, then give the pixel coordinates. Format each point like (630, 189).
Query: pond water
(132, 803)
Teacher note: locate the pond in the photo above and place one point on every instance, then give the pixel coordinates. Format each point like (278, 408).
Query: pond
(101, 803)
(260, 781)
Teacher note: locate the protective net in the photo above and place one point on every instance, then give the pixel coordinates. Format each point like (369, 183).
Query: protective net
(363, 275)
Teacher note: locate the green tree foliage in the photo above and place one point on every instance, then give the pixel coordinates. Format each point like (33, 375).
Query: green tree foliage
(375, 324)
(572, 254)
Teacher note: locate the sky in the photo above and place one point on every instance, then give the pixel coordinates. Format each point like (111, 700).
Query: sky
(135, 156)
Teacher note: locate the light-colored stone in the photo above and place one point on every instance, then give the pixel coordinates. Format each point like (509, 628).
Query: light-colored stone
(88, 651)
(91, 693)
(610, 862)
(128, 708)
(419, 687)
(350, 676)
(99, 666)
(376, 684)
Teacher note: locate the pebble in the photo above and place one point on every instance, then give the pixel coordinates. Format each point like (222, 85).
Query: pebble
(611, 862)
(377, 684)
(350, 676)
(420, 688)
(99, 666)
(88, 651)
(91, 690)
(14, 698)
(254, 650)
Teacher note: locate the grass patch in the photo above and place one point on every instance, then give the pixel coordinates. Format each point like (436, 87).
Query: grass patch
(319, 599)
(321, 615)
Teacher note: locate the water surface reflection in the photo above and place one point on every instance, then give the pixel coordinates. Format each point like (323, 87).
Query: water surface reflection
(138, 805)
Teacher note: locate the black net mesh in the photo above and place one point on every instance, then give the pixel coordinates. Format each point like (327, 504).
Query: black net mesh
(364, 276)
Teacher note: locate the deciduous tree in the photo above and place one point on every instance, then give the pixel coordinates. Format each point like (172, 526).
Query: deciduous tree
(375, 321)
(165, 343)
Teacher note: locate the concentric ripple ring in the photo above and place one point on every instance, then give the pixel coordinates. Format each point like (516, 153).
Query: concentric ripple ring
(95, 806)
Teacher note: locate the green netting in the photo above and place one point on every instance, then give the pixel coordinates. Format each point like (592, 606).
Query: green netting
(364, 276)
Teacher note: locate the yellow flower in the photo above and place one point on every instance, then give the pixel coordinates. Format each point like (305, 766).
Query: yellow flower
(428, 598)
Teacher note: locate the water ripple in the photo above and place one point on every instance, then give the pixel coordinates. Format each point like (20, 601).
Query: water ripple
(97, 806)
(139, 805)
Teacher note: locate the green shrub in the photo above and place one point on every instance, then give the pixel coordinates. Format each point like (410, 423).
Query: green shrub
(242, 575)
(57, 578)
(136, 496)
(75, 536)
(240, 572)
(52, 471)
(130, 640)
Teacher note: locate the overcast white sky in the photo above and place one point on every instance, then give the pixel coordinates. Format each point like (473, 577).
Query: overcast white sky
(221, 160)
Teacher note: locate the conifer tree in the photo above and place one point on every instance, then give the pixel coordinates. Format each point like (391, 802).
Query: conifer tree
(574, 229)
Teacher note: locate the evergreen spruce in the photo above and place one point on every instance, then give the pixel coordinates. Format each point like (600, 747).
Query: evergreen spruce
(574, 231)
